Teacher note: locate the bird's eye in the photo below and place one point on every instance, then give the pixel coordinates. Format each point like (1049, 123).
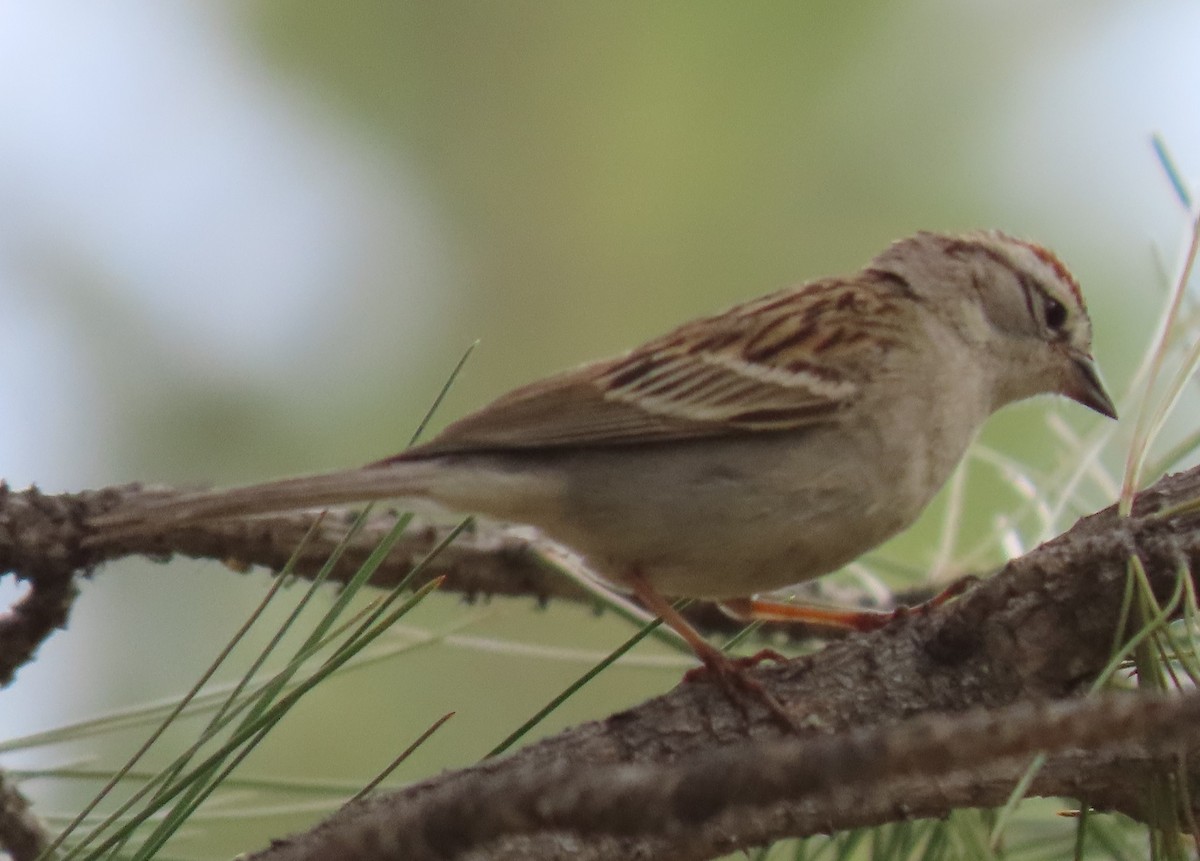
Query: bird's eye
(1056, 313)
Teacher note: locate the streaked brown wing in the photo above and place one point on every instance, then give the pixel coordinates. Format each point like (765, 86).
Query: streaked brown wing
(565, 410)
(762, 366)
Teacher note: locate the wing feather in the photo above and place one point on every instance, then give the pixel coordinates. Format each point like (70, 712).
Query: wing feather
(786, 361)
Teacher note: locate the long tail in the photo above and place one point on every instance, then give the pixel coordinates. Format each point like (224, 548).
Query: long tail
(372, 482)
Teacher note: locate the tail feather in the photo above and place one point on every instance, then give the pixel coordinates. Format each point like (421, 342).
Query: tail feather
(405, 478)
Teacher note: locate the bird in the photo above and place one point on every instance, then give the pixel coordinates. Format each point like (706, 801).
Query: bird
(749, 450)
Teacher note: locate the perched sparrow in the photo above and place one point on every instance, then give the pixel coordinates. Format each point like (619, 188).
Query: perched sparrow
(750, 450)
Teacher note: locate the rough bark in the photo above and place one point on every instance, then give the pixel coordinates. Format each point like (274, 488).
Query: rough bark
(1041, 630)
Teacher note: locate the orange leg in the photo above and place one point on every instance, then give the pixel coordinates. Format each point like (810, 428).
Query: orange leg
(729, 673)
(765, 610)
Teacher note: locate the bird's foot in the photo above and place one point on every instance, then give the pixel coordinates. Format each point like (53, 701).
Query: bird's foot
(731, 675)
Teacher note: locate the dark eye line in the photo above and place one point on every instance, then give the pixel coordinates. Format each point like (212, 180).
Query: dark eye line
(1030, 288)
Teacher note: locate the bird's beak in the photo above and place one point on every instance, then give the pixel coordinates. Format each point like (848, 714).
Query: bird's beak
(1083, 386)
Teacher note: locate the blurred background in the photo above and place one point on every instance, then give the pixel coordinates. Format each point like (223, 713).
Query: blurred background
(240, 240)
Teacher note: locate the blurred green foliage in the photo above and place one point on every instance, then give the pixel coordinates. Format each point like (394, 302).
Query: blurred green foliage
(588, 174)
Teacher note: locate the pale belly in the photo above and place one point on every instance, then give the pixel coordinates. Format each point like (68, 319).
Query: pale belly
(715, 521)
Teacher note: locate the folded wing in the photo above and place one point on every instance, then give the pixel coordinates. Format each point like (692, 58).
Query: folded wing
(782, 362)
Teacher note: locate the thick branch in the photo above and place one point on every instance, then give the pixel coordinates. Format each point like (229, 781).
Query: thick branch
(22, 836)
(1041, 629)
(682, 807)
(39, 543)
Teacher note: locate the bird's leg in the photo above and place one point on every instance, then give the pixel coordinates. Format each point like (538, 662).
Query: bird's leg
(729, 673)
(765, 610)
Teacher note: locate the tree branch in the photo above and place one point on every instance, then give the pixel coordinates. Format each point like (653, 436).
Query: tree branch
(758, 790)
(39, 544)
(1040, 630)
(22, 836)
